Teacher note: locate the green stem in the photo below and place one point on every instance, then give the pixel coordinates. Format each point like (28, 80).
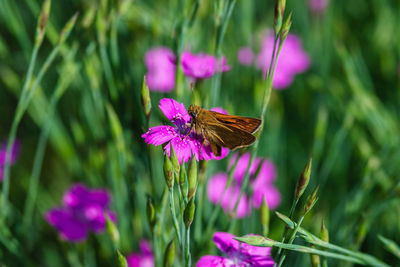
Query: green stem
(173, 214)
(283, 256)
(291, 214)
(159, 228)
(38, 159)
(37, 166)
(13, 133)
(267, 96)
(221, 29)
(217, 207)
(188, 257)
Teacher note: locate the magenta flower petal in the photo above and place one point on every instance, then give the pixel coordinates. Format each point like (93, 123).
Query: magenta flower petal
(232, 160)
(225, 242)
(161, 69)
(245, 56)
(254, 166)
(174, 111)
(222, 65)
(270, 193)
(215, 187)
(76, 196)
(318, 6)
(182, 147)
(230, 198)
(158, 135)
(139, 260)
(99, 197)
(198, 66)
(145, 247)
(237, 254)
(94, 215)
(143, 259)
(214, 261)
(83, 209)
(267, 172)
(255, 251)
(69, 227)
(241, 167)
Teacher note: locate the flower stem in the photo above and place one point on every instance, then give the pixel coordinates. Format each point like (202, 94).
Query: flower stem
(283, 256)
(221, 26)
(13, 132)
(188, 257)
(23, 102)
(217, 207)
(267, 96)
(173, 214)
(291, 213)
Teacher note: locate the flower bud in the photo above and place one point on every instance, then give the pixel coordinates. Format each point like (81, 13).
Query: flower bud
(112, 230)
(121, 260)
(182, 179)
(67, 29)
(188, 214)
(311, 200)
(145, 98)
(168, 171)
(192, 178)
(151, 215)
(175, 161)
(278, 16)
(202, 170)
(286, 28)
(289, 223)
(264, 216)
(42, 20)
(169, 254)
(315, 260)
(303, 180)
(324, 232)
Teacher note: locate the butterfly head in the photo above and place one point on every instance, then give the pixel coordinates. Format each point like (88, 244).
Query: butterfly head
(194, 111)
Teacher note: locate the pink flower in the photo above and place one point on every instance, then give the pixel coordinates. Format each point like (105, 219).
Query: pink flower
(201, 66)
(245, 56)
(184, 144)
(237, 254)
(291, 61)
(145, 258)
(3, 152)
(83, 210)
(161, 69)
(261, 184)
(318, 6)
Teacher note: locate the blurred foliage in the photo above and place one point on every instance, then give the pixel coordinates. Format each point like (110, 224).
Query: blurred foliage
(344, 112)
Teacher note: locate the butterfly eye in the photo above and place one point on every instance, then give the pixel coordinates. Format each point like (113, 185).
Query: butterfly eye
(192, 114)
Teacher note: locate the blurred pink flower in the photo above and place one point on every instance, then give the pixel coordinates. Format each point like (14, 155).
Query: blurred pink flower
(201, 66)
(161, 69)
(318, 6)
(3, 152)
(291, 61)
(83, 210)
(245, 56)
(237, 254)
(145, 258)
(262, 176)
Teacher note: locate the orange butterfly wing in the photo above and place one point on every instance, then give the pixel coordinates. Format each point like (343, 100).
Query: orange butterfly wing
(243, 123)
